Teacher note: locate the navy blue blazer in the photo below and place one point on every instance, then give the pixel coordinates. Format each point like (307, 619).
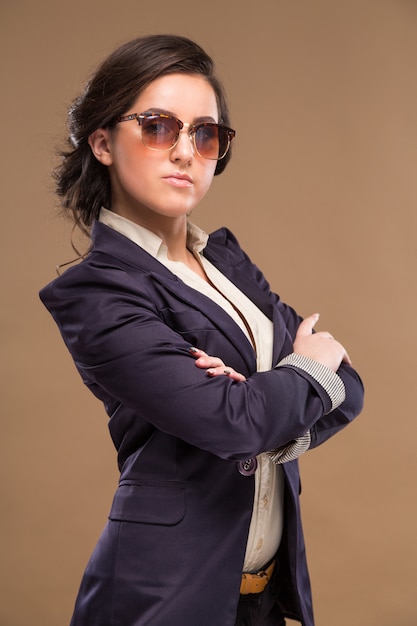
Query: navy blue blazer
(173, 547)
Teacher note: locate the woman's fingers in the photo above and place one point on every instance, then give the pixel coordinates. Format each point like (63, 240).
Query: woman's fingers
(214, 365)
(306, 327)
(205, 361)
(197, 352)
(347, 359)
(225, 371)
(320, 346)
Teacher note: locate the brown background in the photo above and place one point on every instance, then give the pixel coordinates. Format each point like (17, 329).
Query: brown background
(322, 193)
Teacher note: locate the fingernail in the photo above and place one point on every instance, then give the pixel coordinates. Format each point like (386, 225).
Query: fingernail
(227, 372)
(192, 349)
(210, 372)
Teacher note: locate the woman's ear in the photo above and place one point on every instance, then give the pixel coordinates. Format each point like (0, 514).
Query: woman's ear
(99, 142)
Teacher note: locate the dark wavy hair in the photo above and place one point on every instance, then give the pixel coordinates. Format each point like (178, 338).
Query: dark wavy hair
(82, 183)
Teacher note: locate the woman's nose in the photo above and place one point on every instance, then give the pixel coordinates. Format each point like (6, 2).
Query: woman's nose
(184, 148)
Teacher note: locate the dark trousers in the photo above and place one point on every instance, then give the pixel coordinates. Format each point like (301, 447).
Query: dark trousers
(259, 609)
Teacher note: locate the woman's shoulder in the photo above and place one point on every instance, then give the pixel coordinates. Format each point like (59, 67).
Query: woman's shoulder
(101, 272)
(110, 256)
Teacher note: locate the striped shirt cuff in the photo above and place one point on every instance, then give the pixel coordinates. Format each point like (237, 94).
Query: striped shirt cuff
(332, 383)
(291, 451)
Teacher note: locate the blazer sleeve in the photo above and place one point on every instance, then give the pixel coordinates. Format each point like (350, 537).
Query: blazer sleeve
(332, 421)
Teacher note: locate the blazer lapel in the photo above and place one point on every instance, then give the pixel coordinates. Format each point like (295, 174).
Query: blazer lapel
(237, 274)
(109, 241)
(217, 316)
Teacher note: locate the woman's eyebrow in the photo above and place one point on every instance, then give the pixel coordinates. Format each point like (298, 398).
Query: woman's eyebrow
(202, 118)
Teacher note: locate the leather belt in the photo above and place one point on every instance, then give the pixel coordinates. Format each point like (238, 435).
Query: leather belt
(256, 583)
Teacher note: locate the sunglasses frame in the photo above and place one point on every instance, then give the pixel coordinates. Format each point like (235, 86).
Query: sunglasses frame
(192, 130)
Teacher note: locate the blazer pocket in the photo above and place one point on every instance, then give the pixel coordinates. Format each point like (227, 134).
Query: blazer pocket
(193, 326)
(149, 503)
(186, 319)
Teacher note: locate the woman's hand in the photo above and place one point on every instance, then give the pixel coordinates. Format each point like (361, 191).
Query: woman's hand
(215, 366)
(320, 346)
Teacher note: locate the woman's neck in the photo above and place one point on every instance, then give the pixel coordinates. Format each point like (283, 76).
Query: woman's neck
(173, 233)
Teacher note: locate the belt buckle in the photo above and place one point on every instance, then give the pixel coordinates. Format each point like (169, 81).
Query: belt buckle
(256, 583)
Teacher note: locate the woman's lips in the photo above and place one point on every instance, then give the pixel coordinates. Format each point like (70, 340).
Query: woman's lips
(179, 180)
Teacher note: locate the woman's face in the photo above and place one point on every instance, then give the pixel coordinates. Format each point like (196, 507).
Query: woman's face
(148, 186)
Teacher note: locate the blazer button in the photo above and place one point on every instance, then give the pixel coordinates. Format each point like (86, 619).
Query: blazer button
(248, 467)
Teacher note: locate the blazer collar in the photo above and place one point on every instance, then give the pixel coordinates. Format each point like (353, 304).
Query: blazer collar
(108, 241)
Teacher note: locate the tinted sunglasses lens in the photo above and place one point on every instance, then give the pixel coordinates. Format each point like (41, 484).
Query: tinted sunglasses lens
(159, 133)
(211, 141)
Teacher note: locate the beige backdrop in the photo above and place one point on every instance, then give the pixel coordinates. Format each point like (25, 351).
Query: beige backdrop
(322, 193)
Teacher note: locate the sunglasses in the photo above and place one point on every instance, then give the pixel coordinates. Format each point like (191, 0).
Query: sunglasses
(161, 132)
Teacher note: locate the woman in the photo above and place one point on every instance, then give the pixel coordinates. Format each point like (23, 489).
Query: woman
(213, 386)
